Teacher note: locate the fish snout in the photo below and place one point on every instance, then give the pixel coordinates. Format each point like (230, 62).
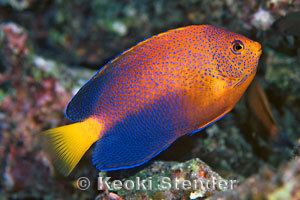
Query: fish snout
(257, 48)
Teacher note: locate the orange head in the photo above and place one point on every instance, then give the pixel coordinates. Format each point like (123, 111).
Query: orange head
(235, 57)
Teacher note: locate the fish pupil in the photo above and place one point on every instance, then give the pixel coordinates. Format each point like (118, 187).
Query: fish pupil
(237, 47)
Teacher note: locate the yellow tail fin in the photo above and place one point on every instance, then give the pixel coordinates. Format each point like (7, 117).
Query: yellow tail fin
(67, 144)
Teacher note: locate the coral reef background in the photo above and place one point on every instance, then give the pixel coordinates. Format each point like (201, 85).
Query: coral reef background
(48, 49)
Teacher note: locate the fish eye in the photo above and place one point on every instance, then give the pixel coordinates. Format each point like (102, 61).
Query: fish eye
(237, 46)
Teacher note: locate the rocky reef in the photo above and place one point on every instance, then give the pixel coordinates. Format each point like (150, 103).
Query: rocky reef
(49, 50)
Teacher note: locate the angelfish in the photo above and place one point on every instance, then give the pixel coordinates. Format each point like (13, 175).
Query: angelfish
(172, 84)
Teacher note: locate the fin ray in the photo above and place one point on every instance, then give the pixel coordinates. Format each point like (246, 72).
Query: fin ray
(67, 144)
(82, 105)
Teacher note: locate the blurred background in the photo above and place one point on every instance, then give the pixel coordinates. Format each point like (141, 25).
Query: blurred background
(49, 49)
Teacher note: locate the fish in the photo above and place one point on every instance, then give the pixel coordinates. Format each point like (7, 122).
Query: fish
(170, 85)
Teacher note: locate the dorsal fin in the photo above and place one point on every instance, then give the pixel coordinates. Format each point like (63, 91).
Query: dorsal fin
(82, 105)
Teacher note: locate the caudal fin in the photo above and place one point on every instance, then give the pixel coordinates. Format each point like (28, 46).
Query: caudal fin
(67, 144)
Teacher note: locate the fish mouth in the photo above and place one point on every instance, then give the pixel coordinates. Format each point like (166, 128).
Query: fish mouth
(260, 51)
(258, 47)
